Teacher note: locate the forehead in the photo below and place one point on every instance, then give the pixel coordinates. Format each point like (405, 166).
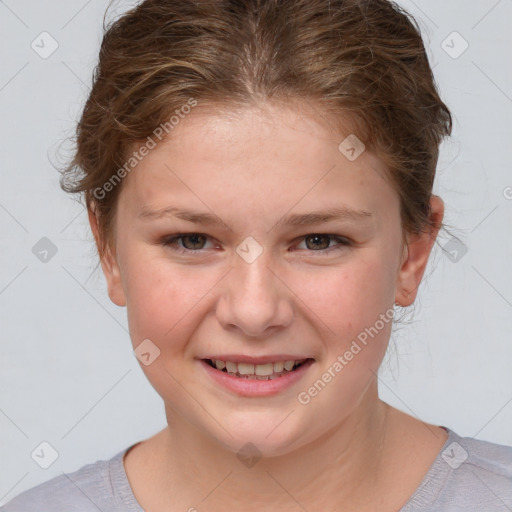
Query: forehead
(269, 158)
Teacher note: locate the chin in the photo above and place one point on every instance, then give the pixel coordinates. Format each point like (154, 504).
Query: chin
(266, 436)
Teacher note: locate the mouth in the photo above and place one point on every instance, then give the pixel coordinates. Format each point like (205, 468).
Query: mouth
(249, 371)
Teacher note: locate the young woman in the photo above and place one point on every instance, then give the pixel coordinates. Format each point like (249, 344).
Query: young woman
(258, 176)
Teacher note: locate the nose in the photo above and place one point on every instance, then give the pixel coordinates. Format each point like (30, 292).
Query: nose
(254, 300)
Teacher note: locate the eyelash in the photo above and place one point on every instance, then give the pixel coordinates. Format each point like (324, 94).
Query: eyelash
(171, 243)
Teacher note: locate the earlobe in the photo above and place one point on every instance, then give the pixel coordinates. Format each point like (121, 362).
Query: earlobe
(415, 256)
(109, 265)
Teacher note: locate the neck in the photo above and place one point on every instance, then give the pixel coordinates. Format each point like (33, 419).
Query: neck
(342, 466)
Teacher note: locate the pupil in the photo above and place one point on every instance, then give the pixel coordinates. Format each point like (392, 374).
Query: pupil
(316, 238)
(194, 241)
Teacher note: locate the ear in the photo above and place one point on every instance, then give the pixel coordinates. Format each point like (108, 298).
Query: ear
(109, 265)
(416, 252)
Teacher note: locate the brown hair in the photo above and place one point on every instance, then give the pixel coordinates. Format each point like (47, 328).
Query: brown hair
(361, 60)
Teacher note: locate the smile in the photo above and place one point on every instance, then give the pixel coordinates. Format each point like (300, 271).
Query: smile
(267, 371)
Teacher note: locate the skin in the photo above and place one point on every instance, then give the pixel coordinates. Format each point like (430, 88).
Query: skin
(250, 168)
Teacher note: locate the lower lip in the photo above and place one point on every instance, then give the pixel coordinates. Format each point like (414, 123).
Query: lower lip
(253, 387)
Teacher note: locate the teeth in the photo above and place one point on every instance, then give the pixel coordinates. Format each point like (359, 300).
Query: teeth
(263, 369)
(278, 367)
(245, 369)
(257, 371)
(288, 365)
(231, 367)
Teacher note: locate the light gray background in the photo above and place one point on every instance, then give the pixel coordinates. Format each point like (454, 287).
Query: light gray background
(68, 375)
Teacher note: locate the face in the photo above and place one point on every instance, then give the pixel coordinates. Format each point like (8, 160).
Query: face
(251, 238)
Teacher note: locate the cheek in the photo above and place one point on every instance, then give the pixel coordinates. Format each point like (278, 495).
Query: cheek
(163, 300)
(350, 296)
(352, 309)
(356, 321)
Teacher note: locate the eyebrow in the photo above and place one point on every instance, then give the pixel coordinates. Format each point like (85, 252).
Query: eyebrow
(300, 219)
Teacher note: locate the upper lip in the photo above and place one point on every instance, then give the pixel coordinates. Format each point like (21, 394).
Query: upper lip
(240, 358)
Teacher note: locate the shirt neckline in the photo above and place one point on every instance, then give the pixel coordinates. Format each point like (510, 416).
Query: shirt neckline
(425, 494)
(429, 489)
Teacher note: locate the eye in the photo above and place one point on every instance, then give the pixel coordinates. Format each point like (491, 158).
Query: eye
(194, 243)
(190, 242)
(319, 242)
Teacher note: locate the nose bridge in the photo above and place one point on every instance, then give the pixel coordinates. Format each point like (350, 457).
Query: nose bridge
(253, 298)
(255, 277)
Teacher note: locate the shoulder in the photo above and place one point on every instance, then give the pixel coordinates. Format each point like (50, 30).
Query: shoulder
(101, 485)
(486, 471)
(468, 474)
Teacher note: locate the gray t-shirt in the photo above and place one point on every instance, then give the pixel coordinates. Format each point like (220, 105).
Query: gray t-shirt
(467, 475)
